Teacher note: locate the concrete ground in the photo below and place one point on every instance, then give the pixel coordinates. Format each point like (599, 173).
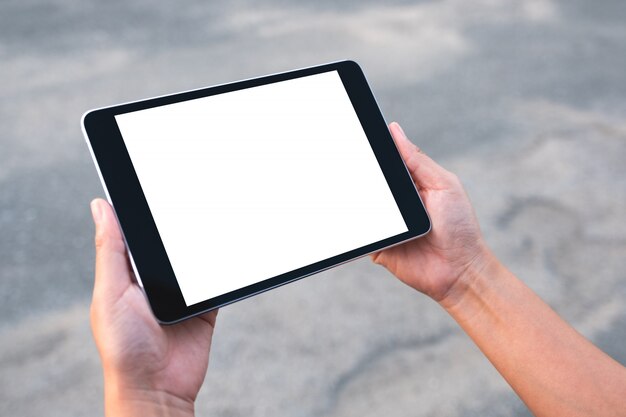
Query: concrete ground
(526, 101)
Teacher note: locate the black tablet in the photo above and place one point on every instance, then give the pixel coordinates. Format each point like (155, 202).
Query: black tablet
(228, 191)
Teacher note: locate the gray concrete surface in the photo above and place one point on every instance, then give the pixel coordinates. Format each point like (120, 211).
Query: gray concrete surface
(526, 101)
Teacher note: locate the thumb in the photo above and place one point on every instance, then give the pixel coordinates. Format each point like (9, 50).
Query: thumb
(426, 173)
(113, 274)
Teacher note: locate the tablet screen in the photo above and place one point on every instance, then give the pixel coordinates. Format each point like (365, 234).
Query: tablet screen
(250, 184)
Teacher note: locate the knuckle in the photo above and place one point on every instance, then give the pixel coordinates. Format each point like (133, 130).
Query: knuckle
(454, 179)
(100, 240)
(94, 313)
(107, 243)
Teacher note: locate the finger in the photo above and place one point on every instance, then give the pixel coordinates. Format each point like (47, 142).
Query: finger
(210, 317)
(375, 257)
(113, 275)
(426, 173)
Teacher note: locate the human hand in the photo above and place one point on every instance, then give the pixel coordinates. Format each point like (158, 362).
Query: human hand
(149, 369)
(439, 263)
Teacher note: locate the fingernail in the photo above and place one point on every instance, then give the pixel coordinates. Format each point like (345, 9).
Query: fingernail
(96, 211)
(401, 130)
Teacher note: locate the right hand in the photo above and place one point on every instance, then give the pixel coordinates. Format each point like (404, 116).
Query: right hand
(438, 263)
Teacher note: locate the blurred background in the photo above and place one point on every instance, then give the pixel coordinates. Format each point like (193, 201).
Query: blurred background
(524, 100)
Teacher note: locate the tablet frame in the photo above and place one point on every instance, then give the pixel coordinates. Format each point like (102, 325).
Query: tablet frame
(147, 254)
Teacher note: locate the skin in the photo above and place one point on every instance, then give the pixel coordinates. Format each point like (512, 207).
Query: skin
(155, 370)
(554, 369)
(148, 369)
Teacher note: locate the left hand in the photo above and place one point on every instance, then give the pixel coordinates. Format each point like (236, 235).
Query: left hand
(149, 369)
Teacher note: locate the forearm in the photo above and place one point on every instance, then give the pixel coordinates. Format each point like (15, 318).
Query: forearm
(554, 369)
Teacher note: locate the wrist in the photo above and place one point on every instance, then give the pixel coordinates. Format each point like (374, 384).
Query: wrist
(123, 399)
(465, 296)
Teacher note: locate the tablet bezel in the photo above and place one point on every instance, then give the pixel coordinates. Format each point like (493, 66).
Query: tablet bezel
(145, 247)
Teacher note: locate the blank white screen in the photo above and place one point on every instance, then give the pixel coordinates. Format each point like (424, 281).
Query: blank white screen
(251, 184)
